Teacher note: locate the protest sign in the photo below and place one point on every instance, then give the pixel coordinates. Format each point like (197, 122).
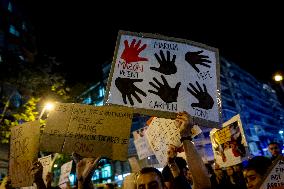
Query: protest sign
(275, 176)
(229, 143)
(88, 130)
(160, 76)
(141, 143)
(46, 164)
(24, 144)
(160, 134)
(65, 172)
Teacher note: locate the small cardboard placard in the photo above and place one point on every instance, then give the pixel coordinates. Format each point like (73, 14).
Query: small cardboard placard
(24, 147)
(88, 130)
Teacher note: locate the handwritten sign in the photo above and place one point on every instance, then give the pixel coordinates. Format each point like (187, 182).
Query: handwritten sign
(65, 172)
(90, 131)
(160, 134)
(229, 143)
(46, 163)
(275, 178)
(24, 146)
(142, 146)
(160, 75)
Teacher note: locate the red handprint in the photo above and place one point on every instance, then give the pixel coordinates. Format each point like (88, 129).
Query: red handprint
(131, 53)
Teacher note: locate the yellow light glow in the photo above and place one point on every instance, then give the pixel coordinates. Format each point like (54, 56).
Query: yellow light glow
(278, 77)
(49, 106)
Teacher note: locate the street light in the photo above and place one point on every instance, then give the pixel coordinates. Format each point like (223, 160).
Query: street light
(278, 77)
(47, 107)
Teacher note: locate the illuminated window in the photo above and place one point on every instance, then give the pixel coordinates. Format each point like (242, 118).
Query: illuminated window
(100, 103)
(13, 31)
(10, 8)
(106, 171)
(96, 175)
(101, 92)
(87, 100)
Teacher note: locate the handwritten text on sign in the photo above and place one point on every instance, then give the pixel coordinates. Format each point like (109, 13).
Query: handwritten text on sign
(90, 131)
(160, 134)
(159, 73)
(23, 151)
(275, 178)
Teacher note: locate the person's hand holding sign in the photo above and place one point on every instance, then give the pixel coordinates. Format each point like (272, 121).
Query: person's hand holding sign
(131, 53)
(127, 88)
(205, 100)
(167, 66)
(164, 91)
(194, 58)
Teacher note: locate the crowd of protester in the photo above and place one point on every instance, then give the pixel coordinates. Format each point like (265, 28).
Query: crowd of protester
(179, 173)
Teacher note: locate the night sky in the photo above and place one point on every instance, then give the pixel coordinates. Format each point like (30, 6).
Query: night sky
(83, 34)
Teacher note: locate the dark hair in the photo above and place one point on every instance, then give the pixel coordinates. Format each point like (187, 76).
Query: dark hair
(259, 163)
(111, 186)
(146, 170)
(274, 143)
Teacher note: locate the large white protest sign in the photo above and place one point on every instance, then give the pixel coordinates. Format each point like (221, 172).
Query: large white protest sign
(158, 75)
(141, 143)
(88, 130)
(275, 177)
(24, 147)
(229, 144)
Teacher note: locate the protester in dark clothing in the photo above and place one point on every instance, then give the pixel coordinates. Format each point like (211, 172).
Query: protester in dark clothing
(255, 171)
(218, 179)
(275, 150)
(233, 181)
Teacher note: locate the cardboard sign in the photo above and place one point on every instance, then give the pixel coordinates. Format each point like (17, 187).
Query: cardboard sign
(46, 163)
(65, 172)
(87, 130)
(229, 143)
(159, 76)
(275, 178)
(24, 147)
(142, 146)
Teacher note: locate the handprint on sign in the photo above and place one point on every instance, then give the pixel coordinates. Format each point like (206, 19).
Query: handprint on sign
(164, 91)
(205, 100)
(167, 66)
(127, 88)
(131, 53)
(194, 58)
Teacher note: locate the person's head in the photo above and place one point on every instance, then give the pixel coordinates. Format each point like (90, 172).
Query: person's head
(218, 170)
(237, 168)
(188, 175)
(150, 178)
(255, 170)
(230, 171)
(274, 148)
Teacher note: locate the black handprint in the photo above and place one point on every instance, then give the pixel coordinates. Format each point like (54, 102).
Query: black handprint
(194, 58)
(164, 91)
(205, 100)
(167, 66)
(127, 88)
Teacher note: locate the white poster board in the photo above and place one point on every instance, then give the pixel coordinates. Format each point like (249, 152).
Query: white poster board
(160, 134)
(160, 76)
(229, 143)
(46, 163)
(275, 178)
(142, 146)
(65, 172)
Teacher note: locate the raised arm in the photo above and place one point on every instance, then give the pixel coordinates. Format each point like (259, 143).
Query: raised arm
(196, 166)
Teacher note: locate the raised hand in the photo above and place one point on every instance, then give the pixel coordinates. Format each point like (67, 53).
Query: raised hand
(127, 88)
(205, 100)
(194, 58)
(167, 66)
(164, 91)
(131, 53)
(85, 167)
